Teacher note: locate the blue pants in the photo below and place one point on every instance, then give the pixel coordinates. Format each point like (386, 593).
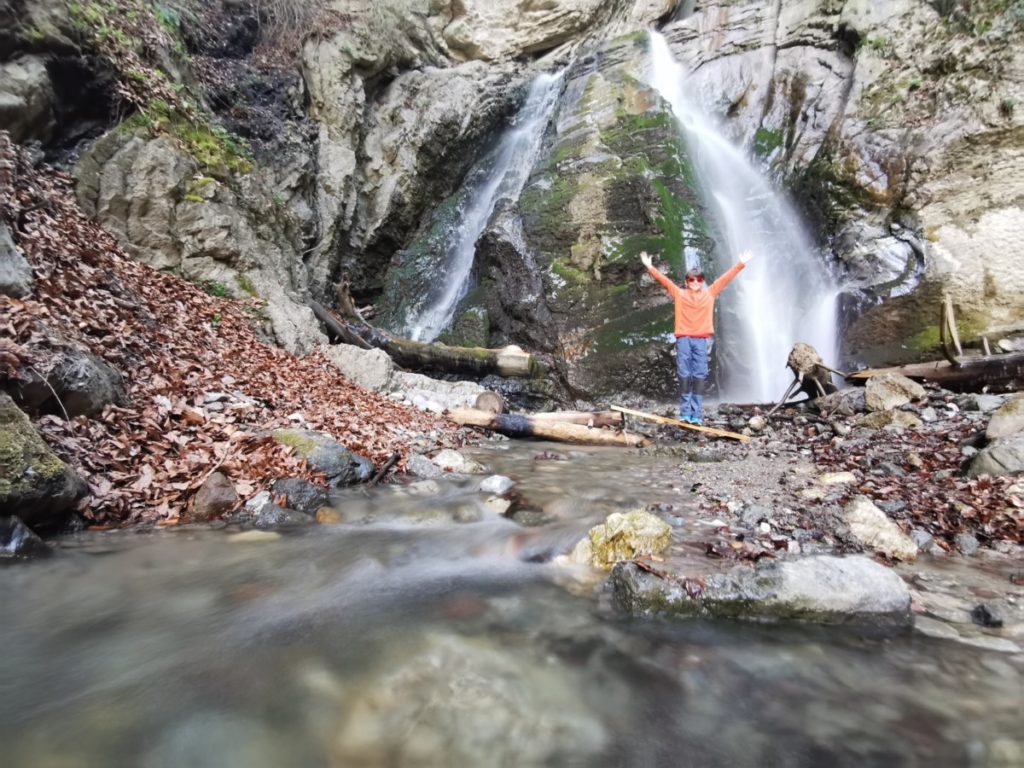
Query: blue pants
(692, 369)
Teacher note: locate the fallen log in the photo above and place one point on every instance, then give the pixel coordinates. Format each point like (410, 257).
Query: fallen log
(1003, 372)
(685, 424)
(586, 418)
(521, 425)
(509, 362)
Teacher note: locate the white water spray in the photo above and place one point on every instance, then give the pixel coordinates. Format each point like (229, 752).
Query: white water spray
(785, 294)
(501, 175)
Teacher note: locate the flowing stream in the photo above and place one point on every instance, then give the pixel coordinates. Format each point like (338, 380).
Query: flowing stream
(425, 631)
(501, 175)
(785, 294)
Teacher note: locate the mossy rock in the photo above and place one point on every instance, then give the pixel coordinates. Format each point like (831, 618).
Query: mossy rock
(327, 455)
(34, 484)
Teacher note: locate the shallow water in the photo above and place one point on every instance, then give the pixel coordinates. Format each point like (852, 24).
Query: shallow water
(404, 637)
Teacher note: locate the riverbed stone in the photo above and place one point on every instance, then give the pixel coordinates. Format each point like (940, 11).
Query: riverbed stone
(301, 495)
(422, 466)
(818, 588)
(451, 460)
(273, 516)
(891, 390)
(873, 528)
(498, 708)
(891, 418)
(622, 536)
(215, 498)
(497, 485)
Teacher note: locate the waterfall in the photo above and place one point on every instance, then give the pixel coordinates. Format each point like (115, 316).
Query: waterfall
(785, 294)
(500, 175)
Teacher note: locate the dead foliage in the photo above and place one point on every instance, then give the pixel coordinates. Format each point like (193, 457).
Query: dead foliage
(204, 391)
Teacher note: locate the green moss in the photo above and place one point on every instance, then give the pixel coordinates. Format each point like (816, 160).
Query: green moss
(25, 460)
(217, 289)
(766, 141)
(245, 283)
(303, 444)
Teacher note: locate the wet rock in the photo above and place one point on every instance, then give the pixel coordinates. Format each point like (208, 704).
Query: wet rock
(924, 540)
(234, 740)
(967, 543)
(421, 466)
(215, 498)
(452, 461)
(982, 403)
(819, 588)
(26, 99)
(273, 516)
(757, 423)
(498, 709)
(872, 527)
(1007, 420)
(497, 485)
(325, 454)
(301, 495)
(34, 483)
(15, 271)
(891, 390)
(622, 537)
(986, 616)
(17, 540)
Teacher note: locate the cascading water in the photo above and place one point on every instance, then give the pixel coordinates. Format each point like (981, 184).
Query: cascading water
(786, 294)
(501, 175)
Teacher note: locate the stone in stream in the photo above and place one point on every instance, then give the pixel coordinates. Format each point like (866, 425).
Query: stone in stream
(819, 588)
(301, 495)
(18, 541)
(215, 498)
(622, 537)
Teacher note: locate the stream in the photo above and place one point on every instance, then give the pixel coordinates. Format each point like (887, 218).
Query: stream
(427, 630)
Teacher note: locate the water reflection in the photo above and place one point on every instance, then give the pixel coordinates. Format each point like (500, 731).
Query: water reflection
(386, 642)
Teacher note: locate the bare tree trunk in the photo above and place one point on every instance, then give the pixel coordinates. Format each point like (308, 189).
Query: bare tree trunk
(519, 425)
(1005, 372)
(508, 361)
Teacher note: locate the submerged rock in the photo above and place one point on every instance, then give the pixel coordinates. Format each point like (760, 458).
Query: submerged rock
(18, 541)
(820, 588)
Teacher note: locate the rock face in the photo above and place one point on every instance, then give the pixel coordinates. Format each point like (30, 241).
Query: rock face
(819, 588)
(36, 485)
(26, 99)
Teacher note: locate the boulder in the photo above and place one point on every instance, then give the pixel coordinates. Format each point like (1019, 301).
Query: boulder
(34, 483)
(370, 369)
(882, 419)
(452, 461)
(819, 588)
(26, 100)
(421, 466)
(327, 455)
(68, 378)
(271, 515)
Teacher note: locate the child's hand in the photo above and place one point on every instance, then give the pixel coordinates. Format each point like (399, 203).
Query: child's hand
(745, 257)
(645, 259)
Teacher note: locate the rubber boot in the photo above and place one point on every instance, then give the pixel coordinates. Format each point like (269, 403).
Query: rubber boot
(697, 389)
(684, 398)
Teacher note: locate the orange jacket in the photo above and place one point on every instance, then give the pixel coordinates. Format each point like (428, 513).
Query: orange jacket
(695, 310)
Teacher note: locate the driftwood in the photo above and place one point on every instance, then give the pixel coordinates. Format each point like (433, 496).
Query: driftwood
(810, 374)
(508, 361)
(520, 425)
(1005, 372)
(685, 424)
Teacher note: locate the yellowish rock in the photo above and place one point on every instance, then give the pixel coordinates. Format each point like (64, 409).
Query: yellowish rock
(622, 536)
(328, 516)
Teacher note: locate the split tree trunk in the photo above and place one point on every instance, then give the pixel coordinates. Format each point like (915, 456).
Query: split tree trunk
(519, 425)
(1004, 372)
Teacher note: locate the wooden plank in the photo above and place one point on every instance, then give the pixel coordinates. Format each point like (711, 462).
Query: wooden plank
(677, 423)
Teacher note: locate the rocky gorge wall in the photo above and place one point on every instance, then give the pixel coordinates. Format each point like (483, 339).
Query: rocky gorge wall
(267, 151)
